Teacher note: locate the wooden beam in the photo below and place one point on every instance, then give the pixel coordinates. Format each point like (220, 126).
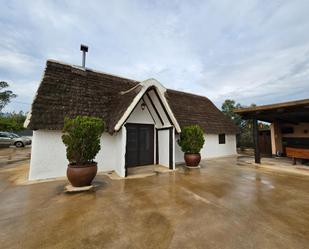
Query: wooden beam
(157, 147)
(286, 121)
(257, 154)
(171, 144)
(164, 109)
(293, 104)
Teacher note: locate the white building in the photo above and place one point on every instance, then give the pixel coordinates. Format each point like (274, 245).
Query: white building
(143, 120)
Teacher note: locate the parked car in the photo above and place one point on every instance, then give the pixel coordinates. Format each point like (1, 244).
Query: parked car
(8, 138)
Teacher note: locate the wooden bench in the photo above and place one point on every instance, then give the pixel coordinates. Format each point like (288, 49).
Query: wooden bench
(294, 153)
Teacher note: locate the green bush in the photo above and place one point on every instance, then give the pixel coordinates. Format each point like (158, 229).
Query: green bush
(82, 138)
(12, 122)
(191, 139)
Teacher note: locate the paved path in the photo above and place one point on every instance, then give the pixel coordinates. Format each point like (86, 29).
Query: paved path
(222, 205)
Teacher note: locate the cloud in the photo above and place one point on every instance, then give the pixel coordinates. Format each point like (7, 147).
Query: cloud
(251, 51)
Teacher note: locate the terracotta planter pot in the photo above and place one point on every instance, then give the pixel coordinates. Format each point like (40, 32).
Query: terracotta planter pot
(192, 160)
(82, 175)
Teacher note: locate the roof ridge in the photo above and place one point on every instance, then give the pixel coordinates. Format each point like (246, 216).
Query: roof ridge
(129, 90)
(89, 69)
(117, 76)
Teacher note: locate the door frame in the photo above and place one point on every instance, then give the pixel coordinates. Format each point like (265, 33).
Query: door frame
(171, 145)
(153, 146)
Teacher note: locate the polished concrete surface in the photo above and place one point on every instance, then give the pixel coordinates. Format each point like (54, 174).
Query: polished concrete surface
(13, 154)
(225, 204)
(277, 163)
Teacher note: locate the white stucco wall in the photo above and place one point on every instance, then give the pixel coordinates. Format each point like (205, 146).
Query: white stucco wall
(48, 154)
(145, 117)
(163, 144)
(139, 116)
(211, 148)
(112, 153)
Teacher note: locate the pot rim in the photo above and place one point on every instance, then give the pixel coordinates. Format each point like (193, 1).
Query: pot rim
(87, 165)
(189, 153)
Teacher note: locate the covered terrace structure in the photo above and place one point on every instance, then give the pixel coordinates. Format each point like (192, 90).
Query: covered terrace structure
(289, 127)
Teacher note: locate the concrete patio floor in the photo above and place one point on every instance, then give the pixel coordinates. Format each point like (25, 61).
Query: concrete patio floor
(276, 163)
(222, 205)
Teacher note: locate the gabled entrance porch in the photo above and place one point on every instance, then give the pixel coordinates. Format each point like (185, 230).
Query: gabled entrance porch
(150, 134)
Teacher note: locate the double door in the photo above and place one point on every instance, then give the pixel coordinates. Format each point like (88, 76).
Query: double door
(140, 145)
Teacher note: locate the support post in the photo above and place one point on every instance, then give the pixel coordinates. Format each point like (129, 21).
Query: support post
(257, 154)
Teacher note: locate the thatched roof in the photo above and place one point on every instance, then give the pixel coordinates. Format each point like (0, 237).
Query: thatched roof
(68, 90)
(194, 109)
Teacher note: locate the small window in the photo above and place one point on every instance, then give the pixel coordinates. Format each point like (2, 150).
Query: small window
(222, 138)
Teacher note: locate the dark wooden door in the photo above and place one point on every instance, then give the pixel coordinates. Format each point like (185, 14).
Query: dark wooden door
(265, 142)
(140, 145)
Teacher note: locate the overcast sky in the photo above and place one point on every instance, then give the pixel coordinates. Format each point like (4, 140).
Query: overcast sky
(249, 51)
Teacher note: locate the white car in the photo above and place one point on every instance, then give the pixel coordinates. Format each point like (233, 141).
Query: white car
(8, 138)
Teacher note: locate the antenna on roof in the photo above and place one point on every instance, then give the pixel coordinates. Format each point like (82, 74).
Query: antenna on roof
(84, 48)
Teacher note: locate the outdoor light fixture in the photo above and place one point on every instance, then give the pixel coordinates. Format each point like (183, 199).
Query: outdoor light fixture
(143, 105)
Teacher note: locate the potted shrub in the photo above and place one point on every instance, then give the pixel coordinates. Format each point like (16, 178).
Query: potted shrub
(82, 140)
(191, 142)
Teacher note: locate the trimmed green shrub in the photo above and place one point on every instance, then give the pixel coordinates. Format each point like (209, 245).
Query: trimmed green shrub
(82, 138)
(191, 139)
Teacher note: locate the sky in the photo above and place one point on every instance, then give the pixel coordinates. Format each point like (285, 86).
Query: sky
(252, 51)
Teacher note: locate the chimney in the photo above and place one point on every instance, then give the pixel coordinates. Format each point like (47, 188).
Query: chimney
(84, 48)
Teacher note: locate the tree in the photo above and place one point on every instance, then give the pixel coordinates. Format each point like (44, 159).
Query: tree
(5, 95)
(228, 108)
(245, 136)
(12, 122)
